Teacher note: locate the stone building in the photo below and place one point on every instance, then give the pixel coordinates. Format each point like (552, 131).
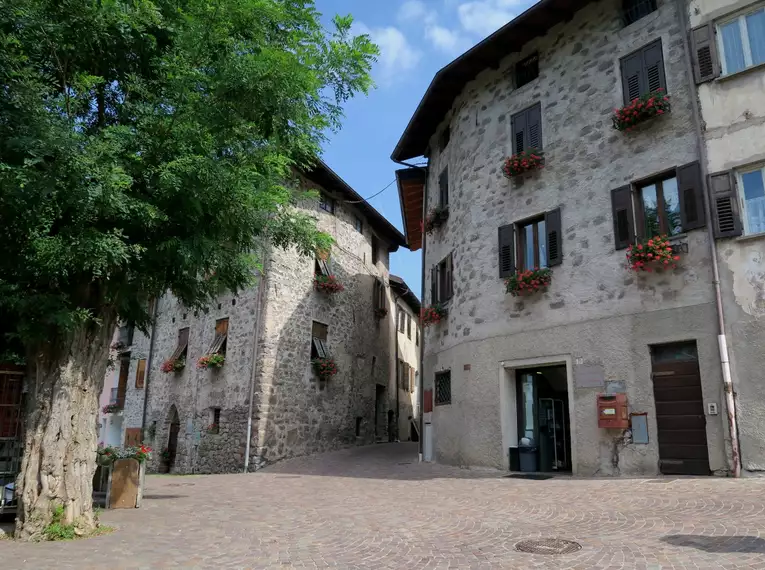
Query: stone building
(269, 334)
(607, 370)
(408, 358)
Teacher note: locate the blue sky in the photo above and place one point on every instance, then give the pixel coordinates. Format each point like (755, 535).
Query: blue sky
(416, 39)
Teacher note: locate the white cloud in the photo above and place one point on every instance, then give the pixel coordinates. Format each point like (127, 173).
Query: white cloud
(412, 10)
(486, 16)
(446, 40)
(396, 53)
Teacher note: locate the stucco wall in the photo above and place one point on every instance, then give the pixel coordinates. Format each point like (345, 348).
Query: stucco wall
(595, 309)
(409, 352)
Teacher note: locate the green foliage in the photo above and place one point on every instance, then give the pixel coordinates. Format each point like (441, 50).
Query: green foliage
(151, 145)
(57, 529)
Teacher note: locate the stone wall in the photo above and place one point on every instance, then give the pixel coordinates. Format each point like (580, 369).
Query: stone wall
(596, 312)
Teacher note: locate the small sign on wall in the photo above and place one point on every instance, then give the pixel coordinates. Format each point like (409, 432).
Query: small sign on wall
(589, 376)
(639, 423)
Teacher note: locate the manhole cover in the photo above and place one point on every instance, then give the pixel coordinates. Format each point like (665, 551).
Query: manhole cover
(548, 546)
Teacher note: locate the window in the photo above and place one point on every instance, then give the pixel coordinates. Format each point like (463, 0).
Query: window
(409, 326)
(319, 340)
(321, 266)
(140, 374)
(218, 345)
(358, 224)
(416, 336)
(378, 300)
(538, 243)
(359, 421)
(375, 250)
(443, 140)
(326, 203)
(443, 188)
(401, 320)
(633, 10)
(214, 426)
(527, 129)
(441, 281)
(752, 190)
(659, 208)
(403, 375)
(443, 388)
(181, 350)
(125, 338)
(122, 382)
(643, 72)
(742, 41)
(526, 70)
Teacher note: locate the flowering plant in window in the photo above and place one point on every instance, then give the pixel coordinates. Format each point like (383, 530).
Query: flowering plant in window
(213, 428)
(432, 315)
(641, 109)
(381, 313)
(651, 254)
(436, 218)
(327, 284)
(528, 281)
(325, 368)
(212, 361)
(524, 161)
(111, 409)
(173, 365)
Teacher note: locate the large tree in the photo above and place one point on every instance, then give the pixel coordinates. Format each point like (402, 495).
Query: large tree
(145, 146)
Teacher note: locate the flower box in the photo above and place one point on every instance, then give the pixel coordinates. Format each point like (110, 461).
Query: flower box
(325, 368)
(214, 361)
(436, 218)
(641, 109)
(653, 253)
(528, 282)
(173, 365)
(213, 429)
(381, 313)
(523, 162)
(433, 315)
(111, 409)
(327, 284)
(124, 469)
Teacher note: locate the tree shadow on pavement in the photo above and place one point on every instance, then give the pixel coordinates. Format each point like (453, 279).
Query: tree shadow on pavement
(719, 544)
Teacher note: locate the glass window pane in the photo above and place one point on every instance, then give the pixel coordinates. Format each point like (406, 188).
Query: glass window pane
(542, 244)
(528, 246)
(755, 24)
(734, 50)
(651, 211)
(527, 388)
(672, 206)
(754, 201)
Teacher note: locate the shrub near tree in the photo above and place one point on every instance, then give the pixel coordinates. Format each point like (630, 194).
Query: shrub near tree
(144, 148)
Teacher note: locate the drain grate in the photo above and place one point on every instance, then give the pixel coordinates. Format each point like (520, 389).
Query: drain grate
(548, 546)
(529, 476)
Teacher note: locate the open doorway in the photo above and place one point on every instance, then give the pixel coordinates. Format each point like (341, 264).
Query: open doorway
(544, 424)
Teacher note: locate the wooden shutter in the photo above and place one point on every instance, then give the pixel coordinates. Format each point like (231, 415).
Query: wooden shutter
(632, 76)
(518, 127)
(706, 63)
(434, 284)
(133, 437)
(122, 385)
(140, 374)
(411, 379)
(323, 267)
(554, 238)
(449, 277)
(506, 251)
(727, 221)
(622, 209)
(443, 188)
(534, 126)
(653, 63)
(221, 332)
(691, 196)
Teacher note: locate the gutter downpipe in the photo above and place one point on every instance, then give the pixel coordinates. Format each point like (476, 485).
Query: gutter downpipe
(149, 360)
(730, 398)
(421, 390)
(255, 350)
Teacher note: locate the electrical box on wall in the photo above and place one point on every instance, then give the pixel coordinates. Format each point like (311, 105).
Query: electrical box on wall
(612, 411)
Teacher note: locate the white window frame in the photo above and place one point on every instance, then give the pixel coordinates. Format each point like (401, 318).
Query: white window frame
(742, 196)
(744, 32)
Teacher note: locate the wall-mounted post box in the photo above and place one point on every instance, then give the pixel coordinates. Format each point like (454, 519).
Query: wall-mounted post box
(612, 411)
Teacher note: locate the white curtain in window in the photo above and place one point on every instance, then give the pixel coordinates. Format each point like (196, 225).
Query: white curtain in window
(755, 24)
(732, 46)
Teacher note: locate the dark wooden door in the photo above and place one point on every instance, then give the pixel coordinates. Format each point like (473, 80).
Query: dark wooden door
(172, 443)
(679, 410)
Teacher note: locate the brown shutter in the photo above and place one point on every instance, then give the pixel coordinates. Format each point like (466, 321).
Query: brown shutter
(140, 374)
(518, 126)
(133, 437)
(443, 188)
(727, 221)
(691, 196)
(434, 285)
(506, 251)
(706, 64)
(221, 333)
(534, 126)
(122, 385)
(554, 238)
(622, 209)
(449, 277)
(183, 342)
(653, 64)
(632, 76)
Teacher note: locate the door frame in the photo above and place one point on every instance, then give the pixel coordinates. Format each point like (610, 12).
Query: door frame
(508, 407)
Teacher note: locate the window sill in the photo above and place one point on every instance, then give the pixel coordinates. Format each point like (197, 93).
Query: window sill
(751, 237)
(758, 67)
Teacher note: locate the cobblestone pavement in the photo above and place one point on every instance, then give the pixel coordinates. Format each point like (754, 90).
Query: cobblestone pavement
(376, 507)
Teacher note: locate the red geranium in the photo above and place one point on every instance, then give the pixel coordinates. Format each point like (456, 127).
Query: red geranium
(653, 253)
(524, 161)
(432, 315)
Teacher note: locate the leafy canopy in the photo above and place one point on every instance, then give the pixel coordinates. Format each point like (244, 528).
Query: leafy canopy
(148, 145)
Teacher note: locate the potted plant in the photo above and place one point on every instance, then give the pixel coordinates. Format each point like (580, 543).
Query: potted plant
(325, 368)
(215, 361)
(436, 218)
(213, 429)
(522, 162)
(528, 282)
(327, 284)
(432, 315)
(381, 313)
(650, 254)
(111, 408)
(643, 108)
(173, 365)
(105, 454)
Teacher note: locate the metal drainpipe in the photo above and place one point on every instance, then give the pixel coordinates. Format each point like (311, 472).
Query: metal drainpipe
(722, 343)
(256, 346)
(149, 358)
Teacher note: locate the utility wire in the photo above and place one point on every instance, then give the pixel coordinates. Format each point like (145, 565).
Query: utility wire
(372, 196)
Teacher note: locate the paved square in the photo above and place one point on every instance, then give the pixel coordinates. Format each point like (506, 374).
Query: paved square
(376, 507)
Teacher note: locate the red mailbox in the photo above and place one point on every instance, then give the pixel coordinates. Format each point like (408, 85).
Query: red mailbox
(612, 411)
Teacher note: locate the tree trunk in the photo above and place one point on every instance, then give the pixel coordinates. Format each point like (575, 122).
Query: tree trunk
(65, 380)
